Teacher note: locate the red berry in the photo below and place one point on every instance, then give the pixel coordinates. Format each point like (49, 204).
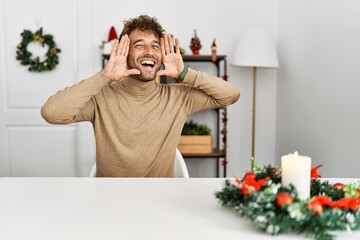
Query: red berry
(274, 170)
(339, 186)
(284, 198)
(316, 207)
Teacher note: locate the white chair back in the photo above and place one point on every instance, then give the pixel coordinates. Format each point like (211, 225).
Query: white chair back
(180, 169)
(93, 171)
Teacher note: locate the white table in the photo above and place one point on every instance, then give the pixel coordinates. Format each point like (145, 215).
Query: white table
(121, 208)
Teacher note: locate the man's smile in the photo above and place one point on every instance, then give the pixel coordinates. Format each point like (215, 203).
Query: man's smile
(148, 63)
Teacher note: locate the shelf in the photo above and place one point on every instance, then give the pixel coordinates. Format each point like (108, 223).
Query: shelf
(215, 154)
(203, 58)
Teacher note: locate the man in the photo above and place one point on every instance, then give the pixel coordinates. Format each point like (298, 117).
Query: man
(138, 122)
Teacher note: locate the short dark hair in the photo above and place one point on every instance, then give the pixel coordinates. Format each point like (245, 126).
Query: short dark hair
(143, 23)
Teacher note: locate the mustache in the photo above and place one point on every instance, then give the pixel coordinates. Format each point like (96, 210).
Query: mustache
(149, 55)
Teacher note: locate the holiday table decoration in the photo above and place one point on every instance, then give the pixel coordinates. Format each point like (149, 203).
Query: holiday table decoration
(195, 44)
(25, 57)
(274, 208)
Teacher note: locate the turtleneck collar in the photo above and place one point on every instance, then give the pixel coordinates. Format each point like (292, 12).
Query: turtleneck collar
(138, 87)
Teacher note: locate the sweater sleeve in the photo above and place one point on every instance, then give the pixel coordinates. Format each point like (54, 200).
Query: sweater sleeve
(208, 92)
(74, 103)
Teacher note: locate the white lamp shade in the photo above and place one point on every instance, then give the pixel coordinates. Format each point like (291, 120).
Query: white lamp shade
(255, 48)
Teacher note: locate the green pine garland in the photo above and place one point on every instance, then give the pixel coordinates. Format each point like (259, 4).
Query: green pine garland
(25, 57)
(261, 207)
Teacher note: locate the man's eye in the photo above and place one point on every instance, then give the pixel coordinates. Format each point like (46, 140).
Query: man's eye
(156, 46)
(139, 45)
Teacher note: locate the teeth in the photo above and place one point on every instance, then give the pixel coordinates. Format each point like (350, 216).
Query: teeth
(148, 62)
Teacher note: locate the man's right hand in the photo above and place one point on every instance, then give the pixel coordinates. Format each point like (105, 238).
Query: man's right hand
(116, 68)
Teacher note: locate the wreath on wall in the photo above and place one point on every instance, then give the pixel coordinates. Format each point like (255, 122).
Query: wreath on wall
(26, 58)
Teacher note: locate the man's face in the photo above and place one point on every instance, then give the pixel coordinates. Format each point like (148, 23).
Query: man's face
(144, 54)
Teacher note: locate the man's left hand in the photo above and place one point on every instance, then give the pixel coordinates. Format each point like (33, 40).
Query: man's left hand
(172, 58)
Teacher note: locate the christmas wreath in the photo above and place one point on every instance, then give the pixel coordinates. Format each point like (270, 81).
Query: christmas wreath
(274, 208)
(25, 57)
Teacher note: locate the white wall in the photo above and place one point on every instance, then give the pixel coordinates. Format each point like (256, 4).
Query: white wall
(319, 83)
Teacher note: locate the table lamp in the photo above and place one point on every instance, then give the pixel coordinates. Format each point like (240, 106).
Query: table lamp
(255, 48)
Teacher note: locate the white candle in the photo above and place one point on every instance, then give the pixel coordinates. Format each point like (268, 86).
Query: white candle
(296, 170)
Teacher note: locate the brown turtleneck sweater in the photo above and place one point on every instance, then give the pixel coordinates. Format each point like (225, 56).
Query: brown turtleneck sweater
(137, 124)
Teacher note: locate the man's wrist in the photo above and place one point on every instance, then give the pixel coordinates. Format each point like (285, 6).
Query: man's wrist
(183, 74)
(105, 76)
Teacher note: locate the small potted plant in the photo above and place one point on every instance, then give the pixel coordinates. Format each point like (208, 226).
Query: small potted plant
(195, 138)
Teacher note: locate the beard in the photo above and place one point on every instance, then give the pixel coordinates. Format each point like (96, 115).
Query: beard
(145, 76)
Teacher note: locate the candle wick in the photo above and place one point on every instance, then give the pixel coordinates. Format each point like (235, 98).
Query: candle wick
(296, 155)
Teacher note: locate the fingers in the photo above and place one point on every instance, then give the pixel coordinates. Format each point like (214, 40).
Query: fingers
(171, 43)
(162, 46)
(167, 43)
(123, 47)
(114, 49)
(177, 45)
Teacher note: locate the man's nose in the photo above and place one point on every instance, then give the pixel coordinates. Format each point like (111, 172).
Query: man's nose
(148, 49)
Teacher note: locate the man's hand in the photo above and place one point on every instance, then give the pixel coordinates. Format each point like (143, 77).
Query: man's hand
(116, 68)
(172, 58)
